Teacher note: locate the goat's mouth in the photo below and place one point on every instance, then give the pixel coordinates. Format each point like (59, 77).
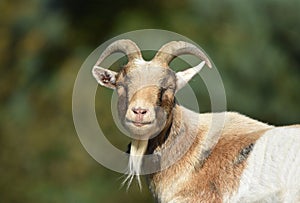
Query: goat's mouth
(142, 130)
(139, 123)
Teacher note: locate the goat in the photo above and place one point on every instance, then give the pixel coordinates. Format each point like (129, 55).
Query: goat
(244, 161)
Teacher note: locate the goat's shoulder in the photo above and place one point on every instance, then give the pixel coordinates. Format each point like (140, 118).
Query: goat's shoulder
(231, 123)
(228, 120)
(219, 154)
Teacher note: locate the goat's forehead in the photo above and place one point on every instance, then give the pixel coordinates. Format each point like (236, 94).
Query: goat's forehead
(142, 76)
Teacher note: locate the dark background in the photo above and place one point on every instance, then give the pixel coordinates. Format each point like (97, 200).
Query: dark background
(254, 44)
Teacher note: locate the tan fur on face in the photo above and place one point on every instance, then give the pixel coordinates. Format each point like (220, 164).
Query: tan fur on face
(147, 96)
(154, 116)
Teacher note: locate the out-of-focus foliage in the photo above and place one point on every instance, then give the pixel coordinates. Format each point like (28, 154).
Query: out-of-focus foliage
(254, 44)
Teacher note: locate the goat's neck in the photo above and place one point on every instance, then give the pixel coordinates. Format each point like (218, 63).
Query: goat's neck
(159, 141)
(174, 142)
(177, 142)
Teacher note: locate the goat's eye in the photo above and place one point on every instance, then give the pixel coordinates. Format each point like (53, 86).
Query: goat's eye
(161, 94)
(171, 88)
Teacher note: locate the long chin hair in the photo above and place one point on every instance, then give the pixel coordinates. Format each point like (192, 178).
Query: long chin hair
(137, 150)
(139, 147)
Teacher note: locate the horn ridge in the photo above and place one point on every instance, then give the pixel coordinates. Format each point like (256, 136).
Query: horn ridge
(176, 48)
(125, 46)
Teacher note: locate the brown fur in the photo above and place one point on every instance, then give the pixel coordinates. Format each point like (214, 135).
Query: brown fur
(146, 94)
(220, 173)
(215, 156)
(217, 172)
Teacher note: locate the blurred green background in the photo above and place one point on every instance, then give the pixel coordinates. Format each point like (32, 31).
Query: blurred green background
(254, 44)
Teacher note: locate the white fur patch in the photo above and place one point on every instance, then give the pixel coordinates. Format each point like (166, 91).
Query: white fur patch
(141, 62)
(273, 171)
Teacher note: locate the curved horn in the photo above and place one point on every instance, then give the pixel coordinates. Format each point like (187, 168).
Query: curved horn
(175, 48)
(125, 46)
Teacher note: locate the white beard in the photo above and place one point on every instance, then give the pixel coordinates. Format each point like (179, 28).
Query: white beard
(137, 150)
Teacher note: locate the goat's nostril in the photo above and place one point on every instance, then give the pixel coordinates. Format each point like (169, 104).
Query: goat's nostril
(139, 111)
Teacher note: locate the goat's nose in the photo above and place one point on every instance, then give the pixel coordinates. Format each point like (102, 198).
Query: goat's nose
(139, 111)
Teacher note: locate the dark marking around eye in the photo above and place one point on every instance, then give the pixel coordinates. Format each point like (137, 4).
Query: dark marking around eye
(160, 95)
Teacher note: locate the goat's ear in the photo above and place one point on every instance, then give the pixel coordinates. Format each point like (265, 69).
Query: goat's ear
(183, 77)
(105, 77)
